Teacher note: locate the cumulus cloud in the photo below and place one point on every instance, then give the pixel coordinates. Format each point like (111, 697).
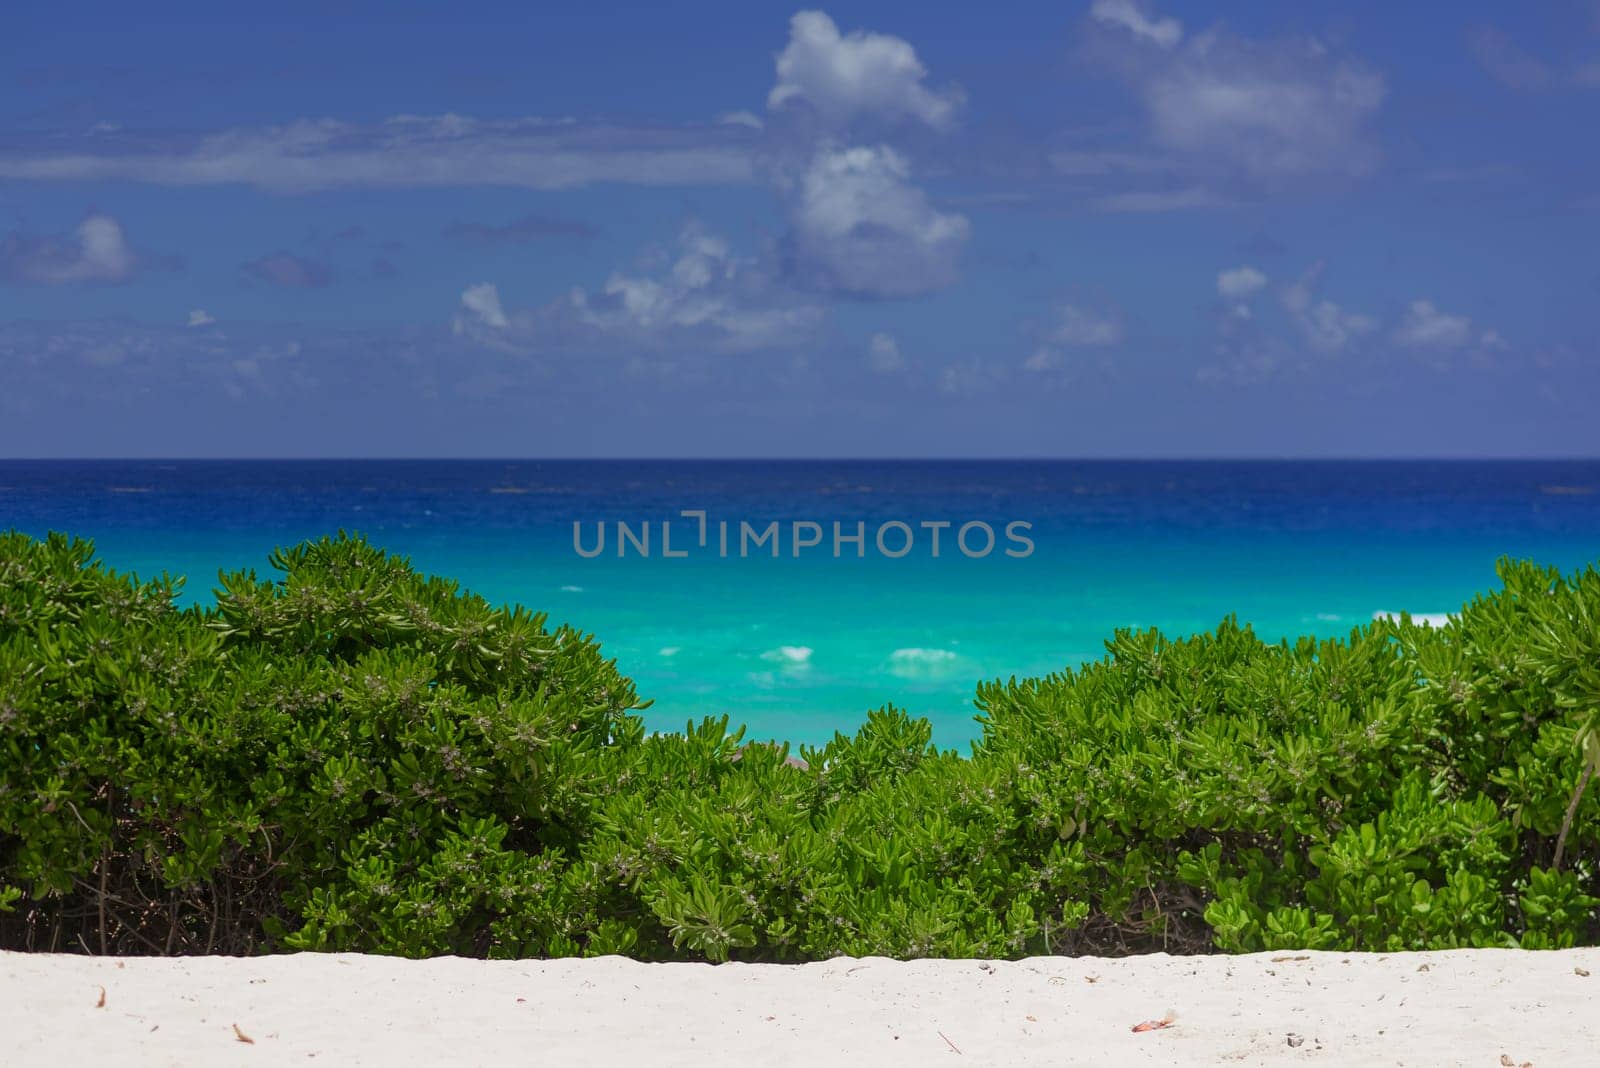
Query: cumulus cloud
(288, 271)
(200, 317)
(883, 354)
(861, 228)
(1238, 287)
(970, 377)
(1044, 358)
(708, 296)
(841, 77)
(1244, 354)
(405, 151)
(1251, 350)
(1424, 326)
(1324, 325)
(741, 118)
(482, 304)
(1072, 326)
(172, 361)
(1077, 326)
(702, 299)
(1151, 200)
(858, 225)
(97, 251)
(1240, 283)
(1269, 112)
(1258, 108)
(1133, 17)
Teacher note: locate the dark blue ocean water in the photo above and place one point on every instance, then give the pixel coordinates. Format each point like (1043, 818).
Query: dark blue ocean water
(798, 647)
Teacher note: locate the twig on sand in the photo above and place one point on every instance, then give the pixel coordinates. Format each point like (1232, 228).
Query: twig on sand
(242, 1037)
(102, 1002)
(949, 1043)
(1155, 1025)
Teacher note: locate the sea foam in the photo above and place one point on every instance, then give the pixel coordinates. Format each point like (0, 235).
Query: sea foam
(791, 655)
(1426, 619)
(918, 663)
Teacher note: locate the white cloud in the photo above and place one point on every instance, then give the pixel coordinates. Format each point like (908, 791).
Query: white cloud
(482, 302)
(1245, 354)
(105, 253)
(200, 317)
(1080, 327)
(1133, 17)
(1425, 326)
(97, 251)
(174, 361)
(1326, 326)
(842, 77)
(1160, 200)
(1250, 353)
(883, 353)
(858, 225)
(741, 118)
(407, 151)
(1072, 326)
(707, 298)
(861, 227)
(970, 377)
(1260, 108)
(1507, 63)
(1274, 116)
(1044, 358)
(702, 299)
(793, 656)
(1240, 283)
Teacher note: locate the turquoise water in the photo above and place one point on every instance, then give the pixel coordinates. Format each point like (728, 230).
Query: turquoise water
(800, 647)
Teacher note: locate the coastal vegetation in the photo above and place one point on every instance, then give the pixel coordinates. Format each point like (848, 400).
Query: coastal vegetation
(348, 755)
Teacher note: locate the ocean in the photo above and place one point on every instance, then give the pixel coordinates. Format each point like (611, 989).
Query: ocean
(803, 644)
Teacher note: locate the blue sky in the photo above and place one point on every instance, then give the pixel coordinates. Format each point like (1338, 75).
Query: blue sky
(1099, 228)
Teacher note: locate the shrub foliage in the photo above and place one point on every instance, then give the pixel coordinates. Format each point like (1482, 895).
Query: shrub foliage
(353, 756)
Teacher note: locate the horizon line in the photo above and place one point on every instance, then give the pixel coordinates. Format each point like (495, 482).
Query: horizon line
(801, 459)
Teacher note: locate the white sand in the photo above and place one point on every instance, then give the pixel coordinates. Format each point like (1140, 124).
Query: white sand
(1469, 1007)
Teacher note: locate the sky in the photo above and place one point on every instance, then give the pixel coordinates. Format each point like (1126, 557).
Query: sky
(1091, 228)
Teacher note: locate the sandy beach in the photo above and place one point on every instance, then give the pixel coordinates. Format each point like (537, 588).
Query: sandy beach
(1465, 1007)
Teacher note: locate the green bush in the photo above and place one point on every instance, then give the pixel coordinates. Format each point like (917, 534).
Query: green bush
(356, 757)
